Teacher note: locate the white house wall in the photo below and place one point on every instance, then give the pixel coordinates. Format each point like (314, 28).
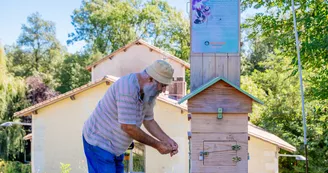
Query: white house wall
(135, 59)
(262, 156)
(57, 135)
(175, 123)
(57, 132)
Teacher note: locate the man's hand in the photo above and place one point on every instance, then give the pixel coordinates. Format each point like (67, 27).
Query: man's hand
(164, 148)
(174, 152)
(174, 146)
(155, 130)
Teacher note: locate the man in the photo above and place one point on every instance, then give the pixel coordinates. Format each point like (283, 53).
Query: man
(116, 121)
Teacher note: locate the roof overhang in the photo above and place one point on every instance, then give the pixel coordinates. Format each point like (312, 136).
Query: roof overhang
(262, 134)
(210, 83)
(111, 79)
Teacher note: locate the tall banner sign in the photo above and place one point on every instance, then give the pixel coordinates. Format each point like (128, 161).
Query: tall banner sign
(215, 26)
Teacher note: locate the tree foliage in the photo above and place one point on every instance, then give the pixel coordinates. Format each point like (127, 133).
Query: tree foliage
(281, 114)
(14, 167)
(106, 27)
(273, 77)
(38, 38)
(38, 52)
(72, 73)
(276, 25)
(12, 99)
(38, 91)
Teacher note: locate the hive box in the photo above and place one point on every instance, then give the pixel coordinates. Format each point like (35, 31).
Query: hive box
(219, 120)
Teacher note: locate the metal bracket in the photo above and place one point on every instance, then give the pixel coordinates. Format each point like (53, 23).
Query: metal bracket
(236, 147)
(220, 116)
(236, 159)
(202, 154)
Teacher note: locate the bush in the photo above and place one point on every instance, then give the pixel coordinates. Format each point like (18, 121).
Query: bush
(14, 167)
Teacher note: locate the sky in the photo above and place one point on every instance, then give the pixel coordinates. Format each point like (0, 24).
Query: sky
(13, 13)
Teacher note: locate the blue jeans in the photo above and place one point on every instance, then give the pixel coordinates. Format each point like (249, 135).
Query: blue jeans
(102, 161)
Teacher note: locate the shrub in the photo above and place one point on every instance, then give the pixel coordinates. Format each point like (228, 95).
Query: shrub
(14, 167)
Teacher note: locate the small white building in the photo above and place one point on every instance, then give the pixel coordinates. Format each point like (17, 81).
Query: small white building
(135, 57)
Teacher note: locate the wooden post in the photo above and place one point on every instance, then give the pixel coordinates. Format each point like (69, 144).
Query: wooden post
(131, 162)
(205, 67)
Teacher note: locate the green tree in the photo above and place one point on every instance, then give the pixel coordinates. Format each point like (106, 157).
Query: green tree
(98, 22)
(276, 24)
(37, 52)
(12, 99)
(257, 53)
(105, 26)
(281, 113)
(72, 73)
(165, 27)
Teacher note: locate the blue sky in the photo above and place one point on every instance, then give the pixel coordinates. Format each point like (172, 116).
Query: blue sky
(13, 13)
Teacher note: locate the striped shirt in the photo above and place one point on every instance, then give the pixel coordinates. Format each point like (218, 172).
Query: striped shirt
(121, 104)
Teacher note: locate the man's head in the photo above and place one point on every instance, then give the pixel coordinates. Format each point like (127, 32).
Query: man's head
(159, 75)
(161, 71)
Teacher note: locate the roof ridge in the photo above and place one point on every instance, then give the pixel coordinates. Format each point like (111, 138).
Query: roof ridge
(143, 42)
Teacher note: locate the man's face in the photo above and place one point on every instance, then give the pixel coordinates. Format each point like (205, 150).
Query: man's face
(152, 89)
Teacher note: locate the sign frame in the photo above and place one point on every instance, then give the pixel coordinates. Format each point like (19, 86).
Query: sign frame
(214, 52)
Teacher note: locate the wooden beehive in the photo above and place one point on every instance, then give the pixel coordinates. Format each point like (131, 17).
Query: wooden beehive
(219, 108)
(219, 118)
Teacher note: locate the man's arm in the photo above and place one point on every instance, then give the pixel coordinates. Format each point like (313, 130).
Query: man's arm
(136, 133)
(155, 130)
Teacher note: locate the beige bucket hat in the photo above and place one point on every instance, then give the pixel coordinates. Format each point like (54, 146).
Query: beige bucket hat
(161, 71)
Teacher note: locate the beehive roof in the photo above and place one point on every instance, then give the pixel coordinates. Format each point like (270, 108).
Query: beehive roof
(212, 82)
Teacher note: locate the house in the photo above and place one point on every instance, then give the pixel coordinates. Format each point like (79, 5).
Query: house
(57, 123)
(263, 149)
(135, 57)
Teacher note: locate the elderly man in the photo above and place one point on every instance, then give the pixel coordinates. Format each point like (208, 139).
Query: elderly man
(117, 119)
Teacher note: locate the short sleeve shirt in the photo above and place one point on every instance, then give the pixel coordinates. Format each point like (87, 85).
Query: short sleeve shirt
(121, 104)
